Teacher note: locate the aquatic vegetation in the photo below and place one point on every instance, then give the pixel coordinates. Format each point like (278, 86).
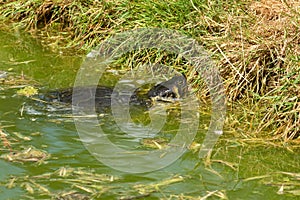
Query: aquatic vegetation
(16, 150)
(85, 183)
(29, 154)
(13, 81)
(286, 182)
(82, 183)
(144, 189)
(27, 91)
(254, 44)
(154, 143)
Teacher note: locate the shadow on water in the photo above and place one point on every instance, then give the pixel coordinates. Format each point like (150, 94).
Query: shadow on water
(233, 172)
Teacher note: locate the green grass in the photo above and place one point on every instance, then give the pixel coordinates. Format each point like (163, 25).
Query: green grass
(255, 44)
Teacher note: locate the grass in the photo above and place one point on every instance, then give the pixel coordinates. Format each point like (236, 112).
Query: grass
(255, 44)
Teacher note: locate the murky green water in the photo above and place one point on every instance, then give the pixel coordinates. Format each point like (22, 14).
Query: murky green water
(235, 171)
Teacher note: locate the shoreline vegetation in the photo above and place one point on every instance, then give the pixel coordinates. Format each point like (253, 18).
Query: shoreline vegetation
(255, 45)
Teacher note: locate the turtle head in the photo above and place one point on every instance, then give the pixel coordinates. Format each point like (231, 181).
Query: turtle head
(169, 90)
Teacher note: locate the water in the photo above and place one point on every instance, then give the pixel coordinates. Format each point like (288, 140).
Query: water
(235, 171)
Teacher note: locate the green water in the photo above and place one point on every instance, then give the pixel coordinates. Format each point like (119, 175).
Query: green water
(189, 177)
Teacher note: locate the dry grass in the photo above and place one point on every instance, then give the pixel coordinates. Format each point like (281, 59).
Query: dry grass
(254, 43)
(261, 65)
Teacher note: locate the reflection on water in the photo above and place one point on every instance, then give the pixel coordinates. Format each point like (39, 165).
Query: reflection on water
(52, 130)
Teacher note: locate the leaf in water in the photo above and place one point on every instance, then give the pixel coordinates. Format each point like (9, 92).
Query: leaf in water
(41, 188)
(62, 171)
(70, 195)
(28, 188)
(27, 91)
(145, 189)
(86, 189)
(11, 183)
(19, 135)
(280, 191)
(154, 143)
(4, 140)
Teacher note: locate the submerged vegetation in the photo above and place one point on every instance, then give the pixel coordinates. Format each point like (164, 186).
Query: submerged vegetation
(255, 44)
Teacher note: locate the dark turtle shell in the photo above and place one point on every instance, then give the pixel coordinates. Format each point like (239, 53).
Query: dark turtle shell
(170, 90)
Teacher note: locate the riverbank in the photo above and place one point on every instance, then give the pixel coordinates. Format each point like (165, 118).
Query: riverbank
(254, 44)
